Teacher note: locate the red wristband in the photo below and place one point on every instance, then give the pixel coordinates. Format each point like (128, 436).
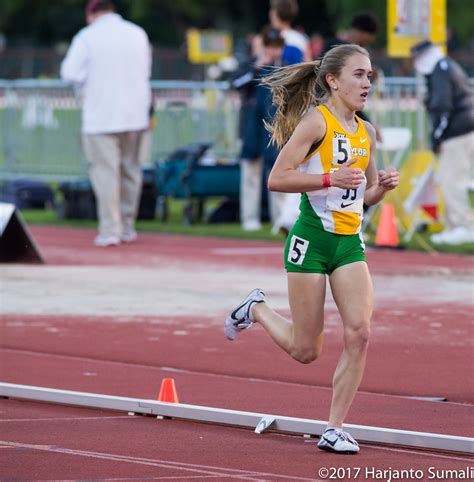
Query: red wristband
(326, 180)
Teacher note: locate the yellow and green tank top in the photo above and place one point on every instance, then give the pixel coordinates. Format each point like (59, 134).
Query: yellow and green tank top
(334, 209)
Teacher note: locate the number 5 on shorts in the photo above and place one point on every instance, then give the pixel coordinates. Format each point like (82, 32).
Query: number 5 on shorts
(297, 251)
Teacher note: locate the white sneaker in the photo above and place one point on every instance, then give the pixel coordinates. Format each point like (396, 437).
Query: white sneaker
(458, 235)
(129, 237)
(338, 441)
(251, 226)
(241, 318)
(105, 241)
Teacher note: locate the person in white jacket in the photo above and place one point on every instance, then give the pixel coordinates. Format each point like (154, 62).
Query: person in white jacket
(111, 60)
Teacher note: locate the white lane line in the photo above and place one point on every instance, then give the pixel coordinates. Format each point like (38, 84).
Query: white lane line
(117, 458)
(171, 477)
(166, 477)
(422, 453)
(247, 251)
(199, 468)
(60, 419)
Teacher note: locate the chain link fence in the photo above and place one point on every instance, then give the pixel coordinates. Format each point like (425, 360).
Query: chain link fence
(40, 122)
(40, 125)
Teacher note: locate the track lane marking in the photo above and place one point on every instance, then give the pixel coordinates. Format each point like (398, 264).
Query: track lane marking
(247, 251)
(171, 477)
(54, 419)
(420, 452)
(200, 468)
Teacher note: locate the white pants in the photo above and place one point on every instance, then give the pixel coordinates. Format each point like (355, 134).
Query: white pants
(116, 178)
(454, 178)
(145, 147)
(289, 212)
(251, 173)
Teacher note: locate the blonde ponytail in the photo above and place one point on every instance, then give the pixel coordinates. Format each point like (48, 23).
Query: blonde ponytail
(293, 92)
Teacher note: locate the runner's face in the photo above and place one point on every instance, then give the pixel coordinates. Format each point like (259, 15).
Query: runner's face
(353, 83)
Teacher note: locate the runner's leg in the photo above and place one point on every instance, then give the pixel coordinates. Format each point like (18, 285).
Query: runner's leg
(352, 290)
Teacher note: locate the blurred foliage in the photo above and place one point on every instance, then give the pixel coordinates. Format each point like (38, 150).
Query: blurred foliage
(47, 22)
(460, 20)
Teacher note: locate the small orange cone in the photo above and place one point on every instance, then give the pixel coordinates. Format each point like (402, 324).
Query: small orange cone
(168, 391)
(387, 233)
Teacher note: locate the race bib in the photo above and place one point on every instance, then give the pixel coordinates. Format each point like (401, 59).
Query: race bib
(297, 251)
(346, 200)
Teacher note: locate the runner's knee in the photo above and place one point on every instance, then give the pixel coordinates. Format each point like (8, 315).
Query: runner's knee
(357, 336)
(306, 354)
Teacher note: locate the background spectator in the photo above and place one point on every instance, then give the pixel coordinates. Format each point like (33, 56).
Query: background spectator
(281, 15)
(316, 45)
(257, 156)
(450, 105)
(111, 58)
(362, 31)
(245, 81)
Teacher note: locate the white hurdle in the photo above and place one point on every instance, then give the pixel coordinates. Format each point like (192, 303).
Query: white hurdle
(258, 421)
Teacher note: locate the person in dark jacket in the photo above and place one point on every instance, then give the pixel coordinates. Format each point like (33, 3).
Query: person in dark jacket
(257, 157)
(450, 105)
(363, 30)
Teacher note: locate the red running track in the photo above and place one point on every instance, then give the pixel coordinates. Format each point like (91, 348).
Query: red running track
(65, 246)
(130, 357)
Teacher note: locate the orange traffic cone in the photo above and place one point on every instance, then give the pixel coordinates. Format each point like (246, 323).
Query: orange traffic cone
(387, 233)
(168, 391)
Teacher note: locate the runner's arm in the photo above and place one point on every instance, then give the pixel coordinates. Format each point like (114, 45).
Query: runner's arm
(284, 176)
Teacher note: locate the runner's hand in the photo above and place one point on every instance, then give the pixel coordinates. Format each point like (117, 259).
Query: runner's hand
(389, 179)
(347, 177)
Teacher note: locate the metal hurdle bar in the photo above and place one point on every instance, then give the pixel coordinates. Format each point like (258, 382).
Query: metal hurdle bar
(258, 421)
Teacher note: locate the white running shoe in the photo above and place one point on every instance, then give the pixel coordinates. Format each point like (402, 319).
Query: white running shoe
(129, 237)
(251, 226)
(338, 441)
(241, 318)
(105, 241)
(459, 235)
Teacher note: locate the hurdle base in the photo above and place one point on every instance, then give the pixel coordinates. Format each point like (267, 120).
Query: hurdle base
(377, 435)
